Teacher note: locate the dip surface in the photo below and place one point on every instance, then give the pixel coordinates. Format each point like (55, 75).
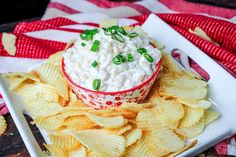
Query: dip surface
(109, 62)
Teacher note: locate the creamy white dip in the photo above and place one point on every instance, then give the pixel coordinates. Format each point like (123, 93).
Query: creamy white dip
(79, 58)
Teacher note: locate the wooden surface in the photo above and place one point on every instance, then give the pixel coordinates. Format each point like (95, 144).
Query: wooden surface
(11, 144)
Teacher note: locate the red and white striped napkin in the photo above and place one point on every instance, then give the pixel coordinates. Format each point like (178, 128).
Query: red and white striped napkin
(65, 19)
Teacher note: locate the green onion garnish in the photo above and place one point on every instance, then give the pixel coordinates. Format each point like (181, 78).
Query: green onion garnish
(130, 57)
(96, 84)
(118, 37)
(89, 37)
(94, 64)
(95, 46)
(133, 35)
(141, 50)
(82, 36)
(118, 59)
(83, 44)
(122, 30)
(148, 57)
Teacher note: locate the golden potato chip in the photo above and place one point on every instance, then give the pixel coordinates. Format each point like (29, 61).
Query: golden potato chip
(192, 131)
(72, 96)
(154, 149)
(185, 148)
(62, 87)
(3, 124)
(64, 141)
(57, 151)
(168, 111)
(108, 122)
(37, 91)
(135, 107)
(41, 108)
(30, 76)
(119, 131)
(108, 23)
(211, 116)
(62, 101)
(165, 138)
(140, 149)
(191, 117)
(194, 103)
(56, 58)
(15, 82)
(8, 42)
(146, 119)
(72, 113)
(77, 103)
(182, 85)
(168, 64)
(133, 136)
(79, 152)
(97, 141)
(78, 123)
(49, 123)
(48, 73)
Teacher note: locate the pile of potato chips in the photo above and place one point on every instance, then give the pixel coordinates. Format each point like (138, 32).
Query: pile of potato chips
(174, 111)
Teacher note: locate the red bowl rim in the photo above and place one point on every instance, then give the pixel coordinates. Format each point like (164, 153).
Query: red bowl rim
(111, 93)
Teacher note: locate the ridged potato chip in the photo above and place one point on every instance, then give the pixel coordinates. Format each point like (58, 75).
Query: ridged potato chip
(140, 149)
(62, 87)
(146, 119)
(168, 64)
(119, 131)
(168, 111)
(185, 148)
(108, 122)
(48, 73)
(191, 117)
(133, 136)
(97, 141)
(192, 131)
(32, 92)
(57, 151)
(40, 108)
(211, 116)
(64, 141)
(31, 76)
(195, 103)
(3, 124)
(135, 107)
(79, 152)
(78, 123)
(56, 58)
(182, 85)
(73, 97)
(49, 123)
(8, 42)
(15, 82)
(165, 139)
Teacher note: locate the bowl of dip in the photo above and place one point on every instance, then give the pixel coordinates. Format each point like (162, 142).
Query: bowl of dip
(110, 66)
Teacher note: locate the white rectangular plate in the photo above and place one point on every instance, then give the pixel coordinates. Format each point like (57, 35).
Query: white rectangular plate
(222, 92)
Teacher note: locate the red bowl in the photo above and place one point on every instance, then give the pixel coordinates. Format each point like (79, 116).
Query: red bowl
(99, 99)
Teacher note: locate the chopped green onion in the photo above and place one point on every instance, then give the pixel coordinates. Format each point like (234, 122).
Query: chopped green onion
(95, 46)
(148, 57)
(94, 64)
(133, 35)
(130, 58)
(83, 44)
(96, 84)
(89, 37)
(122, 30)
(91, 31)
(142, 50)
(118, 37)
(118, 59)
(82, 36)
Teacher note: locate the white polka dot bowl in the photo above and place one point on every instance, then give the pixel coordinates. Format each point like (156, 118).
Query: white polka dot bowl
(100, 99)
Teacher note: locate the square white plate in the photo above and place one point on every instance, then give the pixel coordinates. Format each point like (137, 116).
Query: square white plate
(222, 92)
